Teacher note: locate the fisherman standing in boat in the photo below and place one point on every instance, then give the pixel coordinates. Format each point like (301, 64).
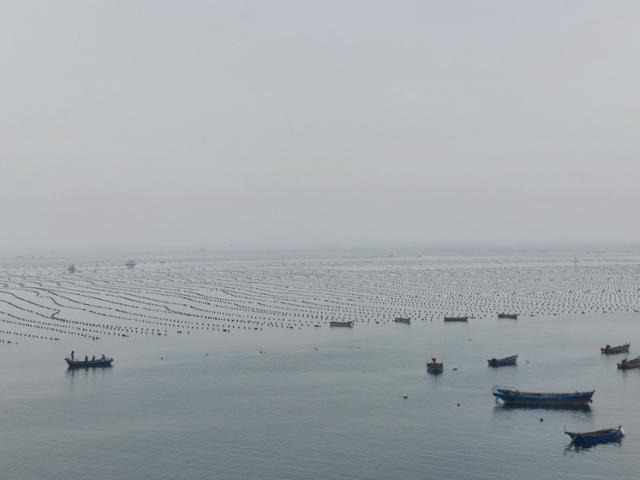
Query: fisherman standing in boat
(72, 354)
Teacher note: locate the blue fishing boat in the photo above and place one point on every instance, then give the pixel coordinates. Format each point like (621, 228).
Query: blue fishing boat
(606, 435)
(501, 362)
(434, 367)
(514, 397)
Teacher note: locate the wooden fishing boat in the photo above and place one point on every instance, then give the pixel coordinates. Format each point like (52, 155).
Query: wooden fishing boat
(513, 316)
(514, 397)
(501, 362)
(599, 436)
(402, 320)
(609, 350)
(627, 364)
(89, 363)
(456, 319)
(336, 323)
(435, 367)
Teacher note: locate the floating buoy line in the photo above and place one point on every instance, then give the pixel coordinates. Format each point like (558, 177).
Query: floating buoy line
(45, 302)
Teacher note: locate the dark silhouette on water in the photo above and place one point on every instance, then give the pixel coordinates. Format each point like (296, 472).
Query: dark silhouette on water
(609, 350)
(101, 362)
(501, 362)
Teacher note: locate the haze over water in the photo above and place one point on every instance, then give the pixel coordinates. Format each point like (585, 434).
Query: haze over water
(227, 368)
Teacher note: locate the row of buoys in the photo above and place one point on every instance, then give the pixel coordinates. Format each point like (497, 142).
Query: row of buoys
(252, 295)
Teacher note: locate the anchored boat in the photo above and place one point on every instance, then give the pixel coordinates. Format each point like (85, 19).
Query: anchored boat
(402, 320)
(501, 362)
(599, 436)
(435, 367)
(627, 364)
(456, 319)
(513, 316)
(94, 362)
(515, 397)
(609, 350)
(341, 324)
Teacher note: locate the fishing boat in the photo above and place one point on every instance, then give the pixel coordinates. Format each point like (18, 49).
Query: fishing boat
(456, 319)
(72, 268)
(514, 397)
(513, 316)
(501, 362)
(606, 435)
(609, 350)
(89, 362)
(336, 323)
(435, 367)
(402, 320)
(627, 364)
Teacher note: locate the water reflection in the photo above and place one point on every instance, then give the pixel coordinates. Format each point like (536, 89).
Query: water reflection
(579, 409)
(85, 372)
(575, 448)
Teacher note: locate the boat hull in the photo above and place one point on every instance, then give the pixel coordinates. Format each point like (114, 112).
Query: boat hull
(593, 438)
(456, 319)
(502, 362)
(534, 399)
(615, 350)
(512, 316)
(629, 364)
(89, 363)
(341, 324)
(435, 368)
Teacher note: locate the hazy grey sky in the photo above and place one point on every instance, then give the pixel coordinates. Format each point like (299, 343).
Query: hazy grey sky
(300, 123)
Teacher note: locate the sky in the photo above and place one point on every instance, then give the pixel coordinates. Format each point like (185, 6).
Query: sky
(318, 123)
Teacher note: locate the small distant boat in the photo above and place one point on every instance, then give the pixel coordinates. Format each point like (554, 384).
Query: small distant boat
(599, 436)
(627, 364)
(534, 399)
(435, 367)
(402, 320)
(89, 363)
(72, 268)
(513, 316)
(501, 362)
(609, 350)
(456, 319)
(341, 324)
(130, 263)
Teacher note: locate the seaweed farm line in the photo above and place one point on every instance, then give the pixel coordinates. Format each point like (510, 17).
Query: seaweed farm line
(228, 367)
(45, 302)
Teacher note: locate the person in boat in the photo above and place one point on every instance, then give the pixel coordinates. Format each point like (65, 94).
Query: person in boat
(103, 358)
(73, 354)
(93, 359)
(86, 358)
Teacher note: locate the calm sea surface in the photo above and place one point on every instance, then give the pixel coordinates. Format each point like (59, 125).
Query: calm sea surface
(308, 402)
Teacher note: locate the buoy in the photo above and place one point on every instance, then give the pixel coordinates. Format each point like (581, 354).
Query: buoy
(405, 396)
